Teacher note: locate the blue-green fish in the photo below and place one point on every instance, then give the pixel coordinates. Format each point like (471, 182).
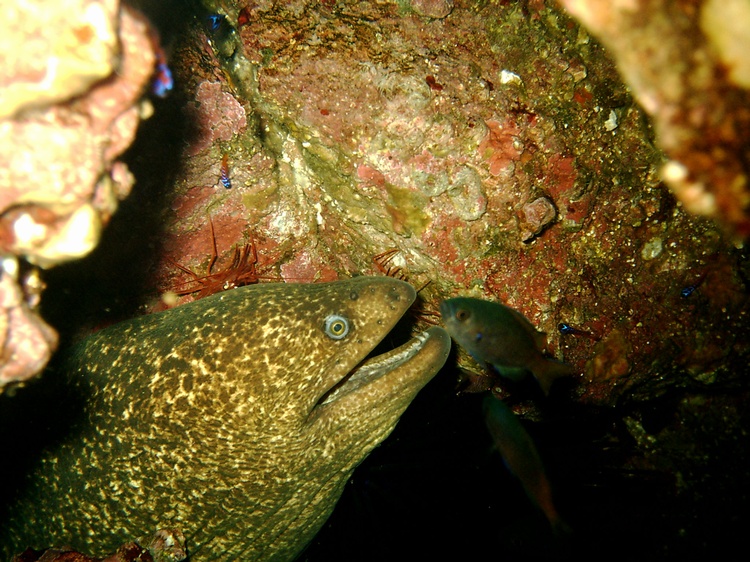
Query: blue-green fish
(236, 419)
(497, 335)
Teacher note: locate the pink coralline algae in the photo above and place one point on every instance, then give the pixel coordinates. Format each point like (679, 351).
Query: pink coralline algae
(55, 159)
(499, 147)
(67, 114)
(67, 46)
(216, 116)
(432, 8)
(26, 341)
(535, 216)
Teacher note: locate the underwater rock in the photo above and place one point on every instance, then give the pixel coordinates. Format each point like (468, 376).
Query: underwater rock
(353, 151)
(610, 359)
(535, 216)
(501, 147)
(690, 70)
(56, 162)
(26, 341)
(71, 104)
(432, 8)
(215, 115)
(53, 51)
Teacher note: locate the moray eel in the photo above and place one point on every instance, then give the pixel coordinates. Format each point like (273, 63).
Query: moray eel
(237, 419)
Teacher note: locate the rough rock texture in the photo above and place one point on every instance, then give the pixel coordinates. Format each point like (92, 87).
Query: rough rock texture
(70, 106)
(688, 67)
(27, 342)
(500, 171)
(67, 47)
(215, 115)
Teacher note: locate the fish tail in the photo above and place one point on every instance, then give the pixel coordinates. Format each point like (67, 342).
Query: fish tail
(560, 528)
(547, 371)
(522, 459)
(541, 494)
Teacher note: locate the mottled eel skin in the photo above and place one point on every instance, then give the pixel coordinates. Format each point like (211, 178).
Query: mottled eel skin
(218, 418)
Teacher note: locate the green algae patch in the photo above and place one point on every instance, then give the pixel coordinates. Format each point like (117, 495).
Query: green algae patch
(406, 209)
(260, 201)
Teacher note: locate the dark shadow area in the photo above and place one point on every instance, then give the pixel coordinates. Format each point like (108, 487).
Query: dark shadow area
(33, 418)
(436, 489)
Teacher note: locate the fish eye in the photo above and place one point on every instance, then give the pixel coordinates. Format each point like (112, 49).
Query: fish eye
(336, 327)
(462, 315)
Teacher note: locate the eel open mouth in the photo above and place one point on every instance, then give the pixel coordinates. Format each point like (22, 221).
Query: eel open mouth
(413, 354)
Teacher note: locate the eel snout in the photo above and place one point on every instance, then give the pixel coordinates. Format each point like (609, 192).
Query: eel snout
(394, 376)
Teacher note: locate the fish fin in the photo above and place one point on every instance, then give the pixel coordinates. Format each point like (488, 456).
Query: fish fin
(540, 339)
(516, 374)
(540, 492)
(546, 371)
(560, 528)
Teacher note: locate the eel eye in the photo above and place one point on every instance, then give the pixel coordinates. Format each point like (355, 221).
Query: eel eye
(462, 315)
(336, 327)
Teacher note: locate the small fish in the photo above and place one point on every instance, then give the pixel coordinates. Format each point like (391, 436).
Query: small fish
(224, 177)
(214, 21)
(162, 82)
(522, 458)
(568, 330)
(687, 291)
(497, 335)
(690, 289)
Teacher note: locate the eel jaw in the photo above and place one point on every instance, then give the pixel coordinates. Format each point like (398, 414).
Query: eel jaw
(400, 358)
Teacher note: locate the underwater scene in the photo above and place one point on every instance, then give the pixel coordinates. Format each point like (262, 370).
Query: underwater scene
(387, 280)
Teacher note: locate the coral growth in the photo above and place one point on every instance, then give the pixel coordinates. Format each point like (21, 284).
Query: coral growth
(26, 341)
(71, 103)
(688, 68)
